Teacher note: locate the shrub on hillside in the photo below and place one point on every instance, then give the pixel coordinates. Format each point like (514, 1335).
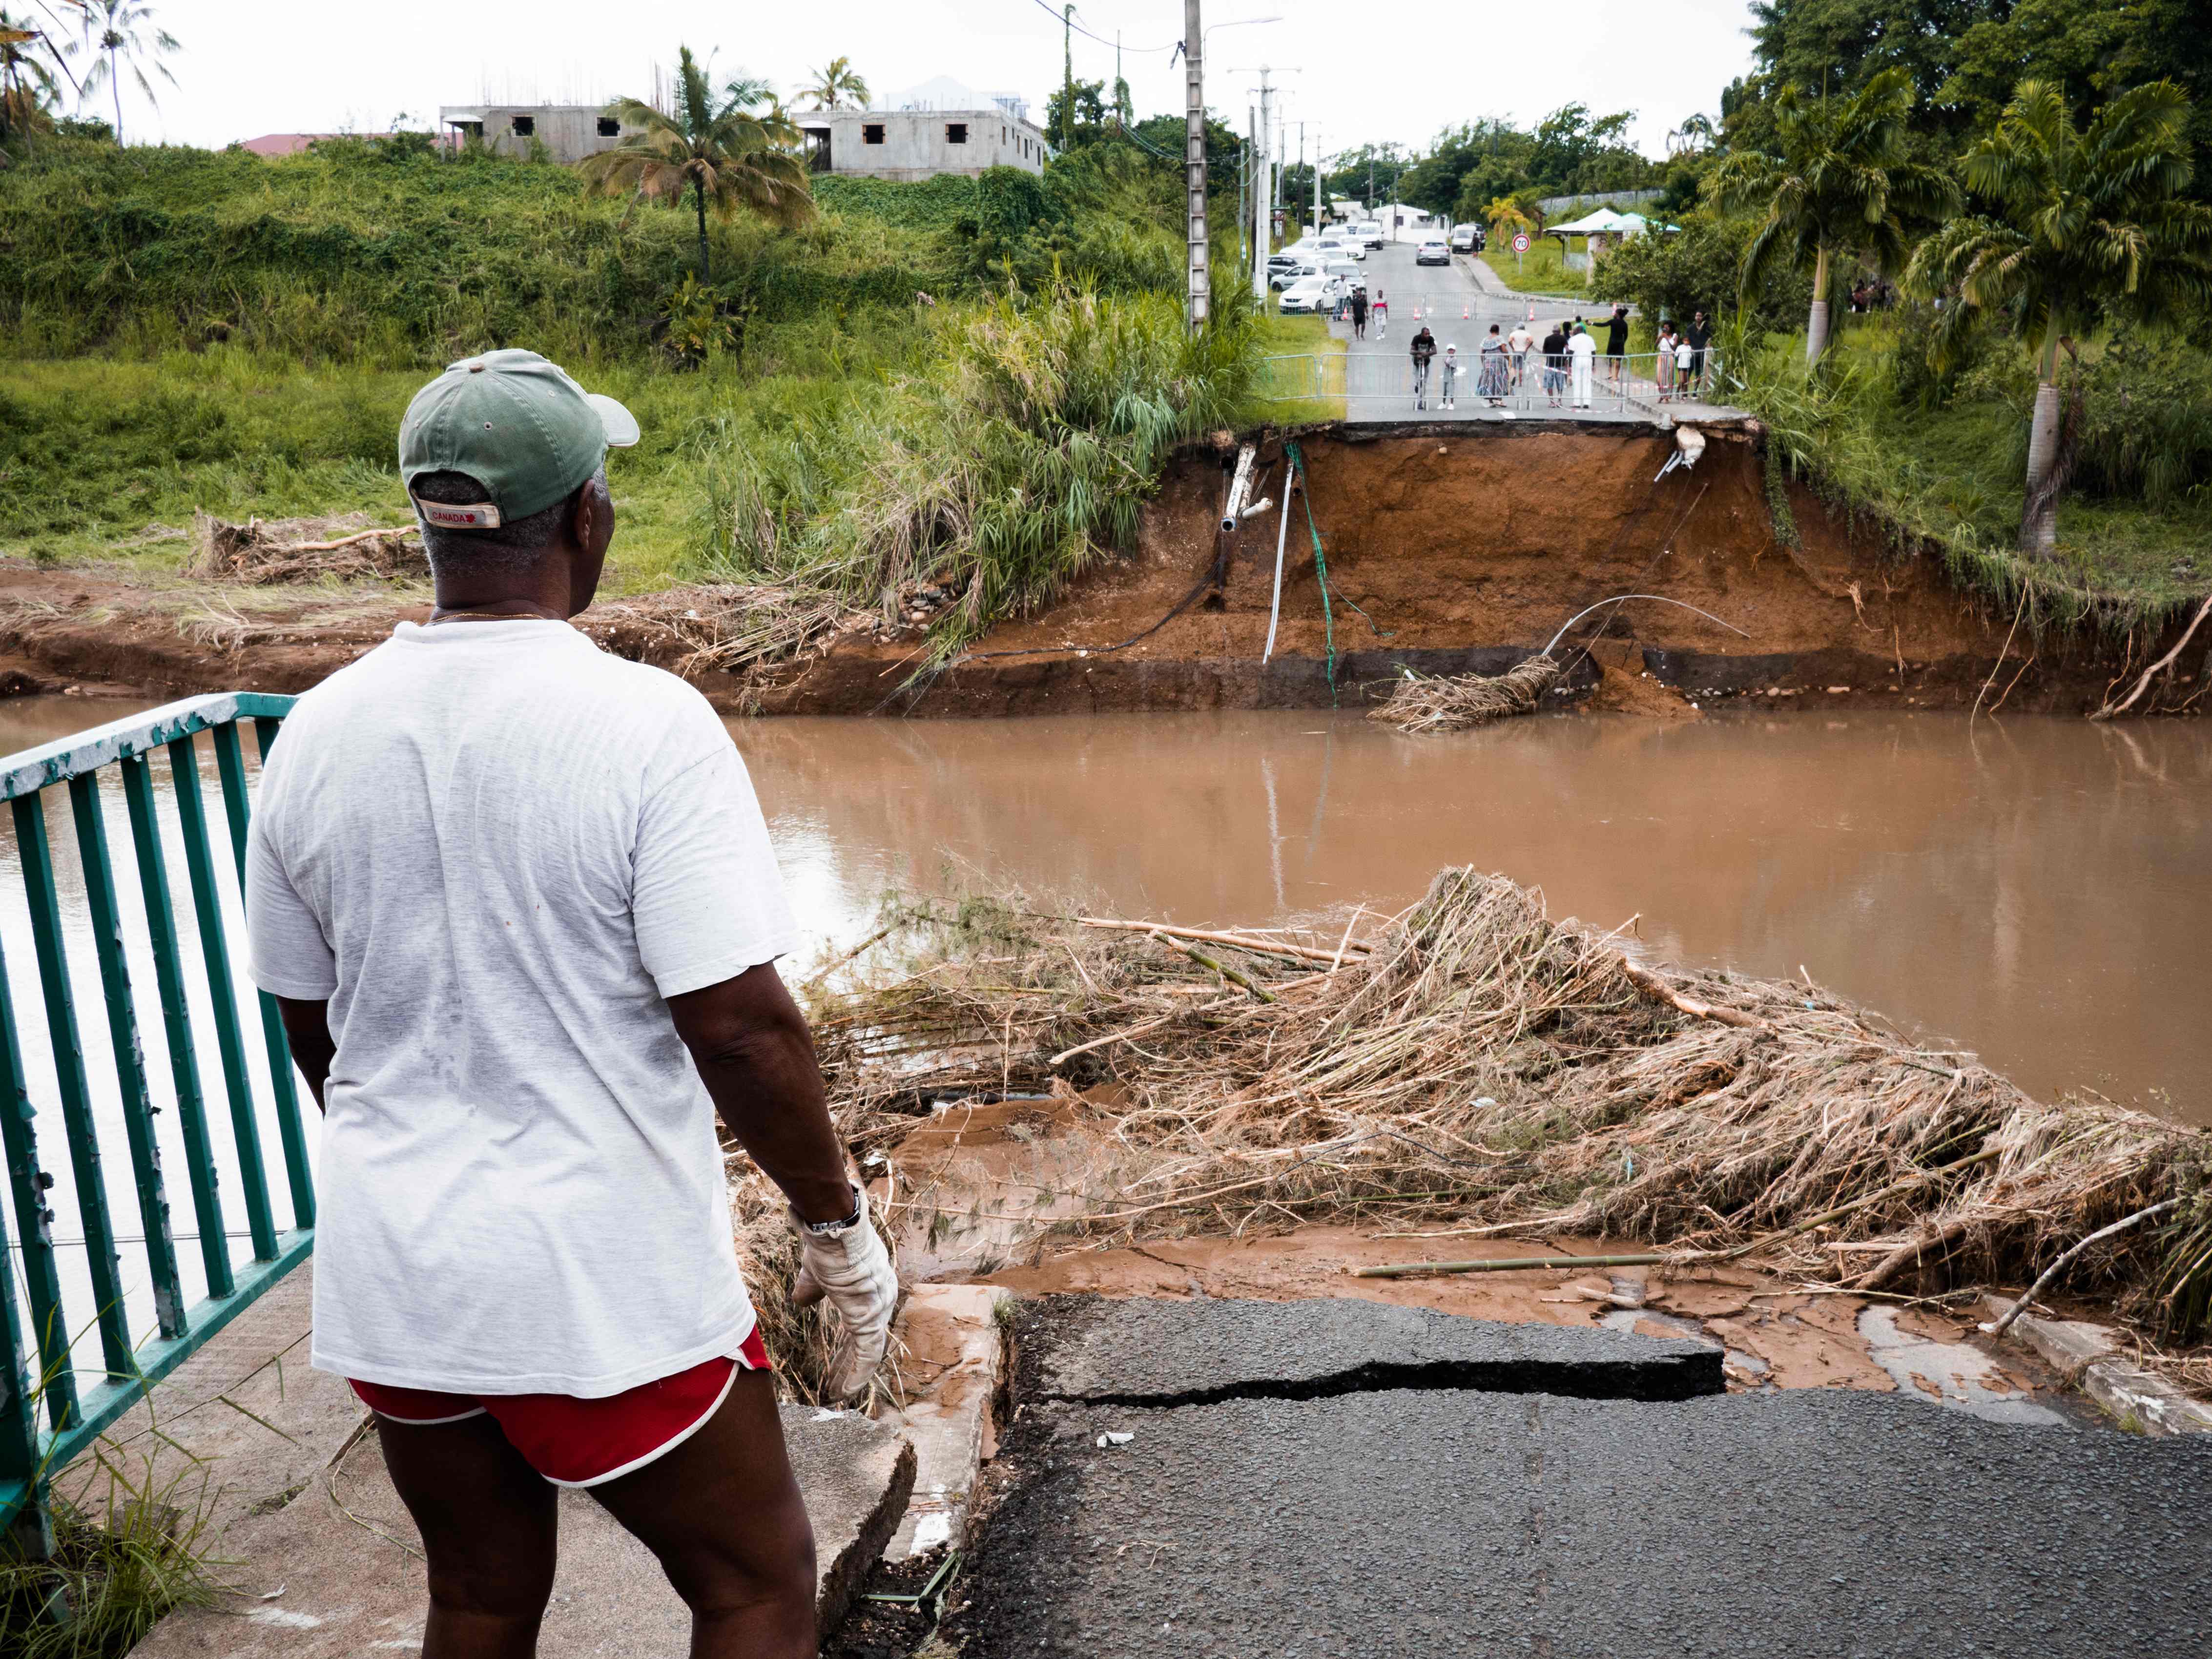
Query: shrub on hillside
(1695, 269)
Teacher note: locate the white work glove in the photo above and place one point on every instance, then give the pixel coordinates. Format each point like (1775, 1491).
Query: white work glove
(852, 1268)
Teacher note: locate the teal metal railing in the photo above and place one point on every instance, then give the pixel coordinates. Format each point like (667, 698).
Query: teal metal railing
(52, 1409)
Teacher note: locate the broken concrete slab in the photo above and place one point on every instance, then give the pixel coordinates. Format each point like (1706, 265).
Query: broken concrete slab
(339, 1572)
(953, 1350)
(1956, 1375)
(2090, 1355)
(1408, 1521)
(1187, 1352)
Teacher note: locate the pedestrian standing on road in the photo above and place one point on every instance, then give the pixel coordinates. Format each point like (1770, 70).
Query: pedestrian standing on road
(1451, 376)
(1424, 352)
(1616, 343)
(1699, 334)
(1360, 313)
(1686, 372)
(1519, 342)
(1555, 363)
(1665, 366)
(1380, 311)
(1582, 353)
(1494, 382)
(517, 905)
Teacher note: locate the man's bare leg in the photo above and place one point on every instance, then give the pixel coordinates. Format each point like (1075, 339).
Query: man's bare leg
(723, 1513)
(488, 1524)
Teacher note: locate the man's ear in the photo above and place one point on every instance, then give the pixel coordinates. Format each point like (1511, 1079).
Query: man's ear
(583, 515)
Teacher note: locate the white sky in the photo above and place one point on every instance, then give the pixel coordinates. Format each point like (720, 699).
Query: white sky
(1400, 72)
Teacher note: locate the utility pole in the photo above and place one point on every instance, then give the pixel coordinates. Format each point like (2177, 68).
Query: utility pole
(1194, 56)
(1263, 196)
(1302, 152)
(1067, 74)
(1317, 175)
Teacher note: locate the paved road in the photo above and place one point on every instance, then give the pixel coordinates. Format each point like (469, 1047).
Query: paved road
(1458, 311)
(1420, 1522)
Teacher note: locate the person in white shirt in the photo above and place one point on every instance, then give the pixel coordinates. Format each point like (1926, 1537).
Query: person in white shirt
(517, 906)
(1581, 350)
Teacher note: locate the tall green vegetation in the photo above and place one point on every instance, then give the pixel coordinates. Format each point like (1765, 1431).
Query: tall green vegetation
(718, 148)
(2069, 226)
(1020, 446)
(1838, 180)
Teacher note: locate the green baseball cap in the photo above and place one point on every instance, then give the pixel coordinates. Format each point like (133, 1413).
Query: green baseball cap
(519, 426)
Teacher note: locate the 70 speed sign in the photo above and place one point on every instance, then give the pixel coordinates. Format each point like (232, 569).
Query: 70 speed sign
(1520, 241)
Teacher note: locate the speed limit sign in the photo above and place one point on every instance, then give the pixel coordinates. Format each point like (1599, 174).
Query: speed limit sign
(1521, 242)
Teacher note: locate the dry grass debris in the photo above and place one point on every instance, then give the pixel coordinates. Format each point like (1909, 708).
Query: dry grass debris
(1451, 703)
(1475, 1065)
(344, 548)
(733, 628)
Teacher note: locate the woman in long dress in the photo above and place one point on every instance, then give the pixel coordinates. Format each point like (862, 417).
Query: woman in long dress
(1490, 383)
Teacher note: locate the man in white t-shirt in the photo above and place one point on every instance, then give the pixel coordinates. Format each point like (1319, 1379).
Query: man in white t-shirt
(1582, 351)
(517, 902)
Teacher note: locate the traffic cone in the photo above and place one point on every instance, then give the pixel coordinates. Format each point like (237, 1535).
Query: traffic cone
(1417, 313)
(1466, 311)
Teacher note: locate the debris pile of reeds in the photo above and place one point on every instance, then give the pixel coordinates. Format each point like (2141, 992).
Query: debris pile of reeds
(1451, 703)
(1472, 1063)
(265, 550)
(733, 627)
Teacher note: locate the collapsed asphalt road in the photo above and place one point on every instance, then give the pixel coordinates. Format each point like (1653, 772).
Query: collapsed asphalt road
(1264, 1504)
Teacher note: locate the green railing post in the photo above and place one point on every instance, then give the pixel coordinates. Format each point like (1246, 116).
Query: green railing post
(27, 1186)
(231, 766)
(76, 1090)
(177, 1021)
(222, 994)
(130, 1059)
(40, 1358)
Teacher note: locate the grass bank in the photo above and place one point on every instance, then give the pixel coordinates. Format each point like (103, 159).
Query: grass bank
(1540, 270)
(1945, 463)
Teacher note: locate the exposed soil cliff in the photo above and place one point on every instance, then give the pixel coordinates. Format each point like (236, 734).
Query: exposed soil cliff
(1446, 551)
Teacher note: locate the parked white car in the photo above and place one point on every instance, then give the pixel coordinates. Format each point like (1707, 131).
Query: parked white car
(1369, 232)
(1311, 293)
(1338, 247)
(1285, 276)
(1431, 253)
(1349, 273)
(1466, 238)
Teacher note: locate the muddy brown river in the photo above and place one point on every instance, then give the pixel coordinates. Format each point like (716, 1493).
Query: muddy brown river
(2038, 892)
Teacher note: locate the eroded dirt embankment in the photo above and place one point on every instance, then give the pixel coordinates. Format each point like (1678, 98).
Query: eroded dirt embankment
(1465, 550)
(1456, 550)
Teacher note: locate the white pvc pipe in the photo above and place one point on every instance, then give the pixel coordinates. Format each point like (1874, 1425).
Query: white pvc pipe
(1239, 487)
(1275, 605)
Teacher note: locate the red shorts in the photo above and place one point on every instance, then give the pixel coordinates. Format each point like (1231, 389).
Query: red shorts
(580, 1443)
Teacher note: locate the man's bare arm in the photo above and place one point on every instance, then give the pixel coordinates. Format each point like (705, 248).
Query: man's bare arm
(307, 1029)
(755, 1055)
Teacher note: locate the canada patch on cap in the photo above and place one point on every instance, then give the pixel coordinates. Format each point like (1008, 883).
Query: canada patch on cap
(482, 515)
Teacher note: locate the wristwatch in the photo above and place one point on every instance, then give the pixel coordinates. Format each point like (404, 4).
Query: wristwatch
(826, 1228)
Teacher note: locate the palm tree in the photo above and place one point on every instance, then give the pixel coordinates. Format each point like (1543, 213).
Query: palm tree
(26, 78)
(837, 85)
(1505, 214)
(2078, 224)
(725, 153)
(1841, 182)
(111, 30)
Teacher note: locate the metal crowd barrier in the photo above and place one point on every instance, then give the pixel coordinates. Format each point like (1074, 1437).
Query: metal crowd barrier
(1381, 382)
(41, 1378)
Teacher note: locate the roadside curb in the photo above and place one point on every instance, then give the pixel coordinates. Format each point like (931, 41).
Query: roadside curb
(2087, 1356)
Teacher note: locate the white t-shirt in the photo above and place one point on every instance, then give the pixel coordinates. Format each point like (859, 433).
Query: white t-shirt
(1520, 339)
(1582, 348)
(495, 850)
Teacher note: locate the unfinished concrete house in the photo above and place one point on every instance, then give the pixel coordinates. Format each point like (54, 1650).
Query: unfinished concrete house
(569, 131)
(940, 126)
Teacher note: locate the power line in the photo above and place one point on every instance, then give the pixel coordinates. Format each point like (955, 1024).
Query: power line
(1053, 12)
